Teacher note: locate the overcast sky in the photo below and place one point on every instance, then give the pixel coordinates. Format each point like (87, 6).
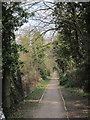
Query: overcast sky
(42, 20)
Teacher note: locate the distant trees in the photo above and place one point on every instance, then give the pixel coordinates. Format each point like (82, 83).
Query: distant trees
(34, 67)
(71, 44)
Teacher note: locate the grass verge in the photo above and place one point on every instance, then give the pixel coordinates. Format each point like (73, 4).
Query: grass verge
(37, 92)
(75, 91)
(31, 100)
(78, 92)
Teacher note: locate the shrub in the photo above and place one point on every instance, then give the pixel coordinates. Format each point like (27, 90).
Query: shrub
(63, 80)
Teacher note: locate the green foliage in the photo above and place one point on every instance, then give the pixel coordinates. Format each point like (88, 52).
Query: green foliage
(10, 22)
(71, 44)
(34, 44)
(67, 81)
(38, 53)
(63, 80)
(43, 72)
(13, 16)
(82, 74)
(34, 68)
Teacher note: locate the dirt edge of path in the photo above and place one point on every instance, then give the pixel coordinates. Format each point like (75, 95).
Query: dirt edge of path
(77, 106)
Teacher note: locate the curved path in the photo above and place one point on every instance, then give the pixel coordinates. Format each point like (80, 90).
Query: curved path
(51, 105)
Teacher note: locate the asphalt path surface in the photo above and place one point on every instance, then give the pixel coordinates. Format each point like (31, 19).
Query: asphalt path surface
(51, 106)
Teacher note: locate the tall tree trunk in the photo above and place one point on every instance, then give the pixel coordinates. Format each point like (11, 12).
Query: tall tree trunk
(6, 89)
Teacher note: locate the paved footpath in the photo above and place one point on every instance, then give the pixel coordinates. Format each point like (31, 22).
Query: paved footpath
(52, 105)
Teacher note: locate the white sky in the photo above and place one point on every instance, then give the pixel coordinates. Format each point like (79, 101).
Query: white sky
(39, 15)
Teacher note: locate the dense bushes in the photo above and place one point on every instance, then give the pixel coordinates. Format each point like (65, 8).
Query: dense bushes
(43, 73)
(77, 78)
(68, 80)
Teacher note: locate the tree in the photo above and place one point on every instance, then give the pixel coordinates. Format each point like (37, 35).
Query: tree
(72, 26)
(13, 16)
